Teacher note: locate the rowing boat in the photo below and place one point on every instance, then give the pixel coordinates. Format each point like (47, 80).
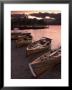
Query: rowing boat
(45, 62)
(38, 46)
(24, 39)
(14, 35)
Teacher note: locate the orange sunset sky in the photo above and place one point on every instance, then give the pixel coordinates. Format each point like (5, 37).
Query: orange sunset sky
(34, 11)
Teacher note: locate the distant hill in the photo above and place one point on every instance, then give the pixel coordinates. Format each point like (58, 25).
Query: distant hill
(57, 17)
(18, 20)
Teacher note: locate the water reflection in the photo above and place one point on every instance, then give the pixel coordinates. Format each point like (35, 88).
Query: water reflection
(53, 32)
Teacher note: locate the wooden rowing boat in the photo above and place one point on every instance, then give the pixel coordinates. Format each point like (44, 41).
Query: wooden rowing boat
(38, 46)
(14, 35)
(24, 39)
(45, 62)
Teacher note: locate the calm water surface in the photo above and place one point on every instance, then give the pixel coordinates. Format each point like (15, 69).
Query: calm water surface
(53, 32)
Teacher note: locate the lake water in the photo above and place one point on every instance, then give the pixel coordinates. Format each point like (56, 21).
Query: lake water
(53, 32)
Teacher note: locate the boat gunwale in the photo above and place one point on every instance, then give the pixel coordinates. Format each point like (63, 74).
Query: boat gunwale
(47, 39)
(50, 57)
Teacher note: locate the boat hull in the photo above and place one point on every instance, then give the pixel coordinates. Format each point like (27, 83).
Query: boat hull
(22, 39)
(45, 62)
(20, 43)
(31, 49)
(29, 52)
(14, 37)
(39, 68)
